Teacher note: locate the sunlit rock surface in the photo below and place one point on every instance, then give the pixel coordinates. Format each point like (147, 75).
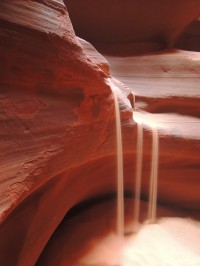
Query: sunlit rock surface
(95, 56)
(162, 82)
(166, 86)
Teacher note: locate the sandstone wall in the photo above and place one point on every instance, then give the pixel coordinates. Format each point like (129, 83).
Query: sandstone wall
(143, 21)
(56, 112)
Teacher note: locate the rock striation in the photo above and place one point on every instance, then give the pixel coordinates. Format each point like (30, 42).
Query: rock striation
(166, 88)
(58, 136)
(56, 114)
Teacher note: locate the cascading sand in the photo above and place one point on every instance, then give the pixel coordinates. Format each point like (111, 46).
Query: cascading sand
(120, 175)
(80, 241)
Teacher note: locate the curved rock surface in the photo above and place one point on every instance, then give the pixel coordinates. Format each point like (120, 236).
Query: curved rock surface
(56, 114)
(162, 82)
(58, 144)
(166, 84)
(95, 56)
(190, 38)
(98, 245)
(132, 21)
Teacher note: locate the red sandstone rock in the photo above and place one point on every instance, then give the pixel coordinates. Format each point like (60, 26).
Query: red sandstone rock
(42, 61)
(95, 56)
(30, 39)
(162, 82)
(87, 237)
(140, 21)
(45, 80)
(190, 38)
(58, 131)
(57, 114)
(166, 84)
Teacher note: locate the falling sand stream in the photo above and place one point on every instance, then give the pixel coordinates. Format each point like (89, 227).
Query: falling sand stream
(138, 175)
(155, 238)
(96, 236)
(120, 175)
(153, 175)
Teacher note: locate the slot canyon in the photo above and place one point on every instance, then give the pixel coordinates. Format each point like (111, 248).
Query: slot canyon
(94, 94)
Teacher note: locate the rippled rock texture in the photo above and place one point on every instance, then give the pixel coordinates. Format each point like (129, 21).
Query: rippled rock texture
(166, 86)
(56, 114)
(58, 136)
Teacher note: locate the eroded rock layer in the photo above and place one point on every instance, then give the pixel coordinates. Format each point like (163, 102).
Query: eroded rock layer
(58, 137)
(162, 82)
(166, 88)
(56, 113)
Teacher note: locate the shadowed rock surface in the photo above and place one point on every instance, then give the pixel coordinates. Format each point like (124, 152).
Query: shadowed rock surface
(98, 245)
(190, 38)
(141, 21)
(58, 136)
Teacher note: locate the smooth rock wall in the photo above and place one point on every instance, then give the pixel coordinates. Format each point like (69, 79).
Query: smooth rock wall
(140, 21)
(190, 38)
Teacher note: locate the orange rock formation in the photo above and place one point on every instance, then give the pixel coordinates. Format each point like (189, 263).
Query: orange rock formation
(56, 114)
(58, 141)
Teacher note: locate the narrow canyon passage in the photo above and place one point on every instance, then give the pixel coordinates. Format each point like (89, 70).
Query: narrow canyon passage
(88, 237)
(65, 144)
(166, 85)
